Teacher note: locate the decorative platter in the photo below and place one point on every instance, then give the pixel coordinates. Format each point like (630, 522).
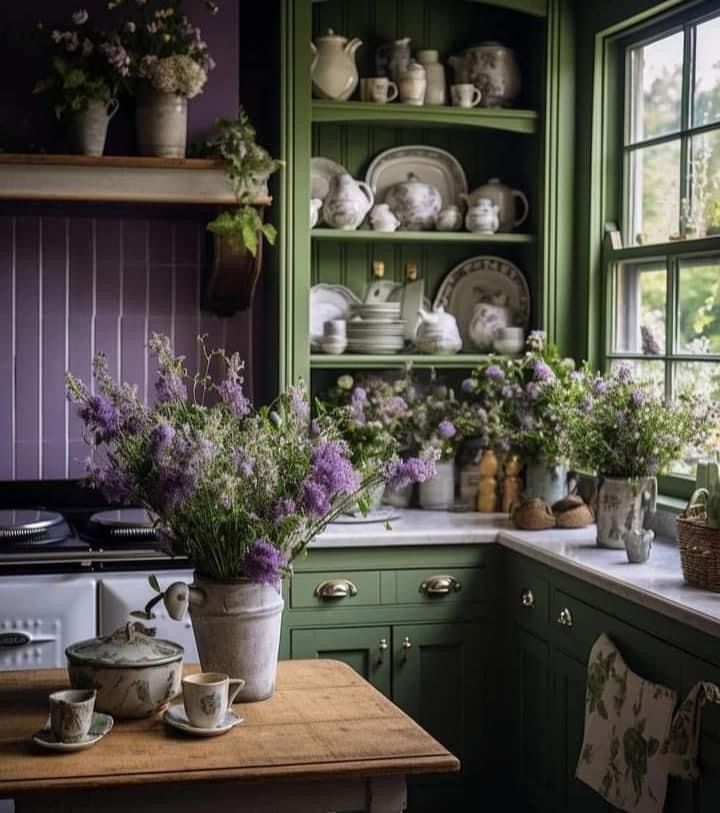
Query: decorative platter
(321, 172)
(431, 165)
(328, 302)
(477, 279)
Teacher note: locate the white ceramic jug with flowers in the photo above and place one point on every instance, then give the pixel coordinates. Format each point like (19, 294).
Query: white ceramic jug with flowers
(347, 202)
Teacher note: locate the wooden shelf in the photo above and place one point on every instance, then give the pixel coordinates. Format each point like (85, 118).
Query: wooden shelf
(442, 237)
(321, 361)
(537, 8)
(117, 179)
(401, 115)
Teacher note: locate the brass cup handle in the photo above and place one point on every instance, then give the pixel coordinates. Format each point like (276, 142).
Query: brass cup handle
(565, 619)
(335, 589)
(440, 586)
(527, 598)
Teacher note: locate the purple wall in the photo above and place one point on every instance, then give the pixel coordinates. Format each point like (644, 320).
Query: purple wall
(70, 287)
(76, 280)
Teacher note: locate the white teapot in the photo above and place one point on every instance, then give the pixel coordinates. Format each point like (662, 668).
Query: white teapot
(333, 69)
(347, 202)
(488, 318)
(438, 332)
(416, 204)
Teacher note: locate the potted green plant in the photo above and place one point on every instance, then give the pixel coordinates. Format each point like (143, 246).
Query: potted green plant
(87, 71)
(525, 399)
(240, 492)
(169, 63)
(623, 430)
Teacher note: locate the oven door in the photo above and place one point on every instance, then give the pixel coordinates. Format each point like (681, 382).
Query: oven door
(41, 615)
(122, 593)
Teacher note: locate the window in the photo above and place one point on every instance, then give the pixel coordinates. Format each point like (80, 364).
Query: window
(663, 283)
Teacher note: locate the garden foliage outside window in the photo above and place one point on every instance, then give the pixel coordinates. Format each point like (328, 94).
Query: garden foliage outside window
(664, 281)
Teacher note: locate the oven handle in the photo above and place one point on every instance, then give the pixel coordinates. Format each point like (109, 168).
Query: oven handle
(12, 640)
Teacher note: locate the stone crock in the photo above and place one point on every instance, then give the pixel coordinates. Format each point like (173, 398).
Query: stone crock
(133, 673)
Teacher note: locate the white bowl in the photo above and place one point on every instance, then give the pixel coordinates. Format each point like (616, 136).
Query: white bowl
(515, 333)
(334, 345)
(508, 347)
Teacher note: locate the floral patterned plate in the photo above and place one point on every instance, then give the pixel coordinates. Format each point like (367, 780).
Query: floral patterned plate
(480, 278)
(176, 717)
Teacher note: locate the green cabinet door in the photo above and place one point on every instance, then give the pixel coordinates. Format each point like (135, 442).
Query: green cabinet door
(365, 649)
(526, 696)
(568, 716)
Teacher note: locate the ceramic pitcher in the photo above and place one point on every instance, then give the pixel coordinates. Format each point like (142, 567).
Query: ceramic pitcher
(506, 199)
(622, 506)
(333, 69)
(487, 320)
(347, 202)
(392, 58)
(548, 483)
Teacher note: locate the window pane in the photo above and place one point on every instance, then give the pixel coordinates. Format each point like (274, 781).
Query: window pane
(645, 370)
(656, 88)
(655, 192)
(702, 377)
(699, 306)
(640, 299)
(706, 103)
(705, 178)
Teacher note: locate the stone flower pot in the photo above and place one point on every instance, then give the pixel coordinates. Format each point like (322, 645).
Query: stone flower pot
(161, 123)
(87, 131)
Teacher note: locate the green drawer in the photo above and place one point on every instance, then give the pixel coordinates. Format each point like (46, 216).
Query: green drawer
(438, 585)
(356, 588)
(529, 598)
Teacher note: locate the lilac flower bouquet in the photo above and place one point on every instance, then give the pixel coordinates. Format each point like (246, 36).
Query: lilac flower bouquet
(85, 66)
(524, 400)
(240, 492)
(164, 47)
(621, 427)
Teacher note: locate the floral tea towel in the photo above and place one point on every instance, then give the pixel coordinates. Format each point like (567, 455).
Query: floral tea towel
(627, 725)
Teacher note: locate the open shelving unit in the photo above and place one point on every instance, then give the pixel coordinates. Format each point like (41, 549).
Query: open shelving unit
(520, 145)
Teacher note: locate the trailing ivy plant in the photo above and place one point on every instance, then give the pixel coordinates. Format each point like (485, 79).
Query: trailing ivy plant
(248, 166)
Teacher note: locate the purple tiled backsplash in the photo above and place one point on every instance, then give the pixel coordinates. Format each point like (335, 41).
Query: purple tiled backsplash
(72, 286)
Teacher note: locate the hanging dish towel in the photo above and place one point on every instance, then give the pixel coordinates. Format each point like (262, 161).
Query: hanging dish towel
(633, 742)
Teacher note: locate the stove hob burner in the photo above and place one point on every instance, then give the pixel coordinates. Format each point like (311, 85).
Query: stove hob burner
(32, 527)
(120, 526)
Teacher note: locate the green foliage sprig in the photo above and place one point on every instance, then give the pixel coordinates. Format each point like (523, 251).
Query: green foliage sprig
(242, 228)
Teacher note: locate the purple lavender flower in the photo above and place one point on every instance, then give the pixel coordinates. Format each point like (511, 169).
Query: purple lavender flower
(112, 482)
(160, 438)
(359, 395)
(638, 397)
(495, 373)
(313, 498)
(264, 563)
(176, 485)
(468, 386)
(331, 474)
(315, 428)
(541, 371)
(527, 422)
(232, 394)
(283, 508)
(402, 473)
(101, 415)
(299, 404)
(533, 390)
(446, 429)
(507, 392)
(393, 406)
(169, 386)
(600, 386)
(623, 374)
(117, 56)
(587, 404)
(357, 412)
(244, 463)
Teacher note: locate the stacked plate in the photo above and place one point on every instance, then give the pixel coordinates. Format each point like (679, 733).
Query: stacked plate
(375, 328)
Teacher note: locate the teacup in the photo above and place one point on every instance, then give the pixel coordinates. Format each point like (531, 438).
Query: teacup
(71, 713)
(465, 95)
(378, 89)
(208, 696)
(515, 333)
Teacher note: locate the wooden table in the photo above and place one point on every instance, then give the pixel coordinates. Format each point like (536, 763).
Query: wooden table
(325, 741)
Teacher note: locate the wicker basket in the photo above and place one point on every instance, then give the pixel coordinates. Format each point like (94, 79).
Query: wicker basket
(699, 546)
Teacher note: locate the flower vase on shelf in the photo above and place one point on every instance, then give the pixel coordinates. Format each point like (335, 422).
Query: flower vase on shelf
(161, 123)
(88, 128)
(547, 482)
(439, 491)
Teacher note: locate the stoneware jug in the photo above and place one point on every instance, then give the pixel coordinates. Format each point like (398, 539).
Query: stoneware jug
(333, 69)
(494, 71)
(482, 217)
(488, 318)
(392, 58)
(436, 90)
(347, 202)
(506, 199)
(438, 332)
(416, 204)
(412, 84)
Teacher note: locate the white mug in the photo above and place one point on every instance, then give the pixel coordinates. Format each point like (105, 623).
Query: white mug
(208, 696)
(378, 89)
(465, 95)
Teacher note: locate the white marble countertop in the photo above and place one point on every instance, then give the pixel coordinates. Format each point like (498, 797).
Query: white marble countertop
(657, 584)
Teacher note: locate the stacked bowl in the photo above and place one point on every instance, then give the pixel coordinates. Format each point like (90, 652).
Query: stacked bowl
(375, 328)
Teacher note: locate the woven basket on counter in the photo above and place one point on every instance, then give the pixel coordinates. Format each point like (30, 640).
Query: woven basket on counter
(699, 546)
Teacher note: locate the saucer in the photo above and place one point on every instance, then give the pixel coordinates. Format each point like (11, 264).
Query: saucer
(100, 726)
(177, 718)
